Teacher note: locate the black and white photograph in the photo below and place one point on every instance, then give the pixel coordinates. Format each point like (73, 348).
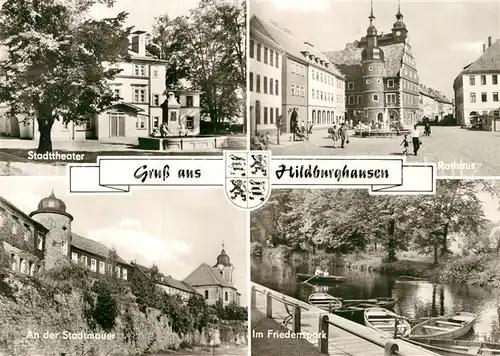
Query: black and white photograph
(417, 79)
(88, 78)
(343, 272)
(155, 272)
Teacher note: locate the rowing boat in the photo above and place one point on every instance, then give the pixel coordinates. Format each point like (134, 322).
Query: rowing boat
(324, 301)
(458, 347)
(386, 321)
(354, 308)
(320, 279)
(444, 327)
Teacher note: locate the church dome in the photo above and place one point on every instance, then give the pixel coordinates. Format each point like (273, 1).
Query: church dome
(371, 31)
(51, 203)
(223, 259)
(370, 53)
(399, 25)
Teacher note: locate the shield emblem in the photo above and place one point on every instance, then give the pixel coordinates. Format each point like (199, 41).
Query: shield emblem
(247, 184)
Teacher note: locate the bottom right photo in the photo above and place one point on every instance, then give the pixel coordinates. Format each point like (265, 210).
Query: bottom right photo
(343, 272)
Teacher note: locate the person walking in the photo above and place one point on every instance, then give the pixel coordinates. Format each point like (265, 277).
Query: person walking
(293, 124)
(333, 132)
(343, 135)
(415, 134)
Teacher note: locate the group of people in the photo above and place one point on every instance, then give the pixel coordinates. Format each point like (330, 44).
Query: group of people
(340, 134)
(321, 273)
(261, 141)
(415, 138)
(302, 131)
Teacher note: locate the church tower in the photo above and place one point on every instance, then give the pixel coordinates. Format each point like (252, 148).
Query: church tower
(225, 267)
(399, 31)
(372, 61)
(52, 214)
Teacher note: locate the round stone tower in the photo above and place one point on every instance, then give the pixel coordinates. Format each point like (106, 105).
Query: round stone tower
(372, 61)
(52, 214)
(225, 266)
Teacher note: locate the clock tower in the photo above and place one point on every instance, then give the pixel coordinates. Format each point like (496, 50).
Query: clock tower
(399, 31)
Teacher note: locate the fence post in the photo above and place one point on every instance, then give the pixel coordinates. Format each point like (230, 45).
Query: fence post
(296, 319)
(391, 347)
(323, 334)
(269, 305)
(253, 298)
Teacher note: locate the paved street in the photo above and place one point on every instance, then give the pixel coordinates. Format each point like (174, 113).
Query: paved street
(472, 153)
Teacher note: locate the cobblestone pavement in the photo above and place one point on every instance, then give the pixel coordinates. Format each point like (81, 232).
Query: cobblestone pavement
(457, 152)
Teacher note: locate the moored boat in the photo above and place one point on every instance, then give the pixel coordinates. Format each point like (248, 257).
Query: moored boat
(320, 279)
(444, 327)
(386, 321)
(324, 301)
(354, 308)
(447, 347)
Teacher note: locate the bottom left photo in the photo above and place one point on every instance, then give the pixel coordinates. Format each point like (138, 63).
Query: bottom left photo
(154, 271)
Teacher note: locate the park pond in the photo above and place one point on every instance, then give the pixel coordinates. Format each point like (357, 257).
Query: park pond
(416, 299)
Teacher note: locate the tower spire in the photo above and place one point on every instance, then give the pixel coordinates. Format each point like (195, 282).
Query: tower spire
(371, 17)
(399, 15)
(223, 244)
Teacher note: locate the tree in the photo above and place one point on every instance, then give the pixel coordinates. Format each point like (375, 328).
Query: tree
(495, 238)
(58, 64)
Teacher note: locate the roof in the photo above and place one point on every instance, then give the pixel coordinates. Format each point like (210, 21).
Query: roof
(93, 247)
(349, 59)
(127, 105)
(13, 207)
(488, 61)
(167, 280)
(205, 275)
(293, 46)
(432, 93)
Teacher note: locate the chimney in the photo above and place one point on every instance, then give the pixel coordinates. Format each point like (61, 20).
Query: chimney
(489, 41)
(484, 47)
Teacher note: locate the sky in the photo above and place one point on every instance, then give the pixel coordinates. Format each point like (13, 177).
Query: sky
(445, 35)
(176, 229)
(491, 207)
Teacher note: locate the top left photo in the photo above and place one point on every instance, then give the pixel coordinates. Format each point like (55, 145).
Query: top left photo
(87, 78)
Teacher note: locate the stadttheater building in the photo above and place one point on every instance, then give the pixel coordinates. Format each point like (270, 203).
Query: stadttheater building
(382, 77)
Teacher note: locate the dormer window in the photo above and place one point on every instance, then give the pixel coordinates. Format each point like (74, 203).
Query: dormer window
(311, 57)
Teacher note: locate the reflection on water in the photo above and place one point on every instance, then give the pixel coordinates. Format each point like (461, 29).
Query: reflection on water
(416, 299)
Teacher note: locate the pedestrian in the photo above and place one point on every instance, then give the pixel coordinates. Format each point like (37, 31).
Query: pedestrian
(415, 139)
(333, 133)
(303, 127)
(310, 130)
(343, 135)
(267, 140)
(405, 144)
(294, 117)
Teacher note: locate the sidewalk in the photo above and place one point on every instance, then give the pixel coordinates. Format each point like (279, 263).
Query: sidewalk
(264, 346)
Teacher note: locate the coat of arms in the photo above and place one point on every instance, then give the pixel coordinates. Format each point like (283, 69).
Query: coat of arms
(247, 182)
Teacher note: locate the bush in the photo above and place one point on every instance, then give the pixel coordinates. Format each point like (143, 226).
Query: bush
(256, 249)
(471, 269)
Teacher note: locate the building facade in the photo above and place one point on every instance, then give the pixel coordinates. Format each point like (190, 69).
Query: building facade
(141, 88)
(43, 240)
(311, 85)
(264, 79)
(382, 77)
(477, 88)
(215, 283)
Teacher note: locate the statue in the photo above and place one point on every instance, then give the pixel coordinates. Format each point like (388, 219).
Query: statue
(164, 131)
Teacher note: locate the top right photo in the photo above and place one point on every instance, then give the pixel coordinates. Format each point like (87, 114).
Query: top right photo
(413, 79)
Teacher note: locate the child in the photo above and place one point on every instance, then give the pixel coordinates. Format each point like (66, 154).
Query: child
(405, 145)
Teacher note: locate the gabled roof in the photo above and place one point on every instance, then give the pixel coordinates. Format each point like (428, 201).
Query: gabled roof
(349, 59)
(205, 275)
(489, 61)
(434, 94)
(93, 247)
(126, 106)
(293, 46)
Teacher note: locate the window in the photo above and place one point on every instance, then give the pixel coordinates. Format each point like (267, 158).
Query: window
(40, 242)
(190, 122)
(64, 248)
(110, 269)
(93, 265)
(391, 98)
(271, 86)
(276, 87)
(156, 122)
(83, 260)
(277, 60)
(155, 73)
(375, 97)
(117, 271)
(494, 79)
(314, 94)
(483, 80)
(265, 119)
(259, 49)
(370, 68)
(351, 99)
(189, 101)
(27, 234)
(117, 93)
(368, 81)
(124, 274)
(102, 267)
(265, 85)
(472, 97)
(265, 54)
(250, 80)
(293, 89)
(379, 81)
(140, 122)
(484, 97)
(139, 70)
(74, 257)
(251, 48)
(257, 87)
(206, 294)
(271, 57)
(271, 117)
(495, 96)
(226, 296)
(472, 80)
(139, 95)
(156, 100)
(302, 91)
(15, 227)
(359, 100)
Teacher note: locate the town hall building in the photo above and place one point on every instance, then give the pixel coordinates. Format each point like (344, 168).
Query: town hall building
(382, 78)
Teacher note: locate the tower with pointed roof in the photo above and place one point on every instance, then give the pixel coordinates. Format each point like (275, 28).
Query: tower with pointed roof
(225, 267)
(52, 214)
(372, 62)
(399, 30)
